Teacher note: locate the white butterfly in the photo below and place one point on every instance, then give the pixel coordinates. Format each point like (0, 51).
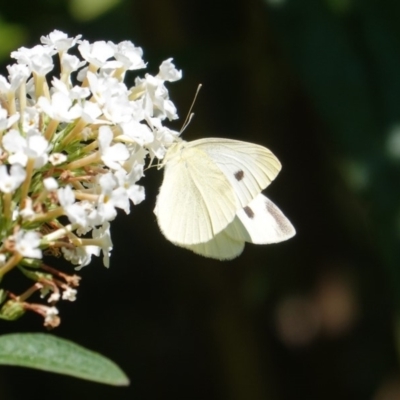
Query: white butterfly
(210, 200)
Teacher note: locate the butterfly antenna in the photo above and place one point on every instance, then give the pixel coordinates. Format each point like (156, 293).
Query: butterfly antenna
(190, 114)
(151, 165)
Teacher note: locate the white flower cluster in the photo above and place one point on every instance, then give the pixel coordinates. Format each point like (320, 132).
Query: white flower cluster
(72, 148)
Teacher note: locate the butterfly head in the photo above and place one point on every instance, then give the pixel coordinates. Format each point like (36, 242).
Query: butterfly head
(172, 151)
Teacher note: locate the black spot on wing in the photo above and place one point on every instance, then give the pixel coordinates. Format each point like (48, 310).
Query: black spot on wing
(249, 212)
(284, 224)
(239, 175)
(271, 209)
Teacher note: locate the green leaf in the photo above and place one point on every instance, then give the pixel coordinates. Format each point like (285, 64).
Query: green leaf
(11, 36)
(88, 10)
(49, 353)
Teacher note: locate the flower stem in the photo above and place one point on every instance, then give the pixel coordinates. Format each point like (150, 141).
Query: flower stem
(10, 264)
(51, 128)
(27, 182)
(75, 131)
(48, 216)
(7, 205)
(92, 158)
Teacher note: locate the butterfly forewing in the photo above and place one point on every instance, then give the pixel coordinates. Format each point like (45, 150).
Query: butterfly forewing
(249, 168)
(196, 200)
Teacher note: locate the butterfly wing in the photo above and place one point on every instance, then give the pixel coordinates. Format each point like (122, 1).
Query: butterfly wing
(260, 222)
(249, 167)
(196, 201)
(221, 247)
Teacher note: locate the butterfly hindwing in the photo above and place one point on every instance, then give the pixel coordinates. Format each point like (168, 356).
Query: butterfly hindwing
(221, 247)
(260, 222)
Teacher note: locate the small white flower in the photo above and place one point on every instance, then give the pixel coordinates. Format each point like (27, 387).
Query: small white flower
(117, 109)
(53, 298)
(38, 59)
(59, 40)
(105, 88)
(57, 158)
(74, 211)
(109, 198)
(137, 132)
(74, 93)
(96, 53)
(31, 118)
(51, 316)
(34, 147)
(81, 256)
(66, 196)
(11, 180)
(90, 112)
(60, 107)
(69, 294)
(27, 244)
(156, 98)
(70, 63)
(50, 184)
(37, 148)
(128, 55)
(128, 181)
(13, 142)
(112, 156)
(163, 137)
(103, 236)
(6, 122)
(168, 72)
(27, 212)
(17, 74)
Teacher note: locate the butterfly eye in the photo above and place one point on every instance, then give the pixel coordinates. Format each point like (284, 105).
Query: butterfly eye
(239, 175)
(249, 212)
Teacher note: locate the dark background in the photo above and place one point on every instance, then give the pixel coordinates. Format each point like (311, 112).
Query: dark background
(317, 317)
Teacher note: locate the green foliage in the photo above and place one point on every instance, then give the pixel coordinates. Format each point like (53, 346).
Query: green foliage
(87, 10)
(349, 63)
(49, 353)
(11, 37)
